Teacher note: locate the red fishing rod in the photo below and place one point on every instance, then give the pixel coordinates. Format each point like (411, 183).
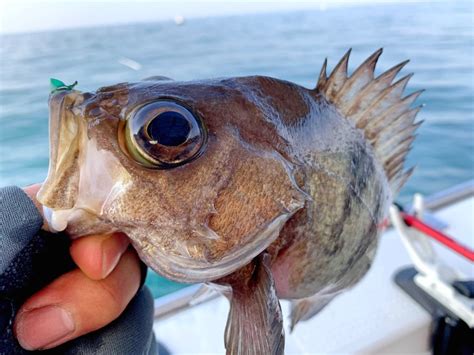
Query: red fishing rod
(414, 222)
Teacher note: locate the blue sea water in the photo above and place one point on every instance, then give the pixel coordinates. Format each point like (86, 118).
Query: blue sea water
(437, 37)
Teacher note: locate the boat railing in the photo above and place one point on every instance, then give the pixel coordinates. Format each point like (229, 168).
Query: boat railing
(449, 196)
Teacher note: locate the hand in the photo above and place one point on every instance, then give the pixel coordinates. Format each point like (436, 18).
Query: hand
(85, 299)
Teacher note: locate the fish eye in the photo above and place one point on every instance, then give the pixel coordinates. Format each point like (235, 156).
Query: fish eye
(164, 134)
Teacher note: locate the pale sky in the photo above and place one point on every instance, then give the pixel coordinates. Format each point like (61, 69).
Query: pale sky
(29, 15)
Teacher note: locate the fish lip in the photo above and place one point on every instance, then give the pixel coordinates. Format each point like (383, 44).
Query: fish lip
(48, 216)
(57, 223)
(67, 216)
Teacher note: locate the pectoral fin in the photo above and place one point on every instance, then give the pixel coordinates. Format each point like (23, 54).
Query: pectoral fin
(306, 308)
(255, 322)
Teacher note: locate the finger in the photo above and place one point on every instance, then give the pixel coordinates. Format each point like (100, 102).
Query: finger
(74, 305)
(98, 255)
(31, 191)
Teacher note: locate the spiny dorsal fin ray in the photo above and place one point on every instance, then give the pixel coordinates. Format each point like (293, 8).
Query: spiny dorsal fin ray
(376, 127)
(402, 179)
(338, 77)
(322, 75)
(359, 79)
(378, 108)
(384, 133)
(374, 88)
(385, 101)
(387, 150)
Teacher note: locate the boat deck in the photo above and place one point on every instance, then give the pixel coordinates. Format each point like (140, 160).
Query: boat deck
(376, 316)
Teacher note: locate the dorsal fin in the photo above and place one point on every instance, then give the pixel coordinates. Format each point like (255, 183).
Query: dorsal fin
(377, 107)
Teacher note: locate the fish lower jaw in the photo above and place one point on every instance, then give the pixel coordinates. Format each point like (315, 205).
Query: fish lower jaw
(57, 220)
(76, 222)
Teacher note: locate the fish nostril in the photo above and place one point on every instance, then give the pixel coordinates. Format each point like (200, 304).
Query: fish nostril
(87, 96)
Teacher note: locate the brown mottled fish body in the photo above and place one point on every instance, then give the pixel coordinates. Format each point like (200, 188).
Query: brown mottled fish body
(277, 191)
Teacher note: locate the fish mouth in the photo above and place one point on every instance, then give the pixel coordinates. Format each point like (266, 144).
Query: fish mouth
(77, 222)
(59, 190)
(81, 177)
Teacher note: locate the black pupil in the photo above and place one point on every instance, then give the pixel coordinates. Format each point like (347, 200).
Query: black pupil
(169, 128)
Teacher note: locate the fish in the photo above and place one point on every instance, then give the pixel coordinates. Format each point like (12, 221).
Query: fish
(260, 186)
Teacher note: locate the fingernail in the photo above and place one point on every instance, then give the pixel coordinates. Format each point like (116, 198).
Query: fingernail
(40, 327)
(111, 255)
(110, 260)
